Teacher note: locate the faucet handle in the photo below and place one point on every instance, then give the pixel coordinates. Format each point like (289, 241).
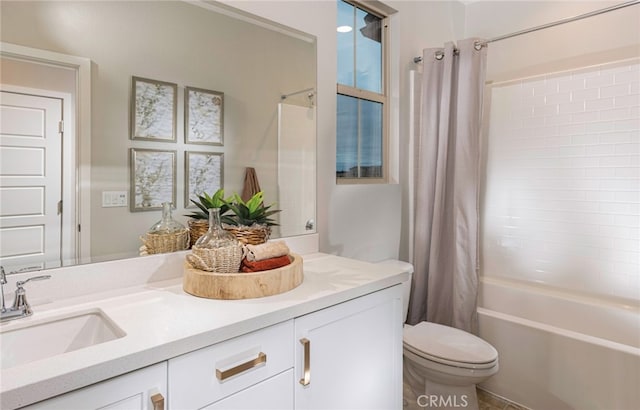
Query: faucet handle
(34, 278)
(20, 300)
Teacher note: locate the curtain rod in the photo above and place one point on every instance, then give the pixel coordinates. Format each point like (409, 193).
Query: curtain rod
(553, 24)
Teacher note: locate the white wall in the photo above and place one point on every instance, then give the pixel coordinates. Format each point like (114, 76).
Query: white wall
(366, 221)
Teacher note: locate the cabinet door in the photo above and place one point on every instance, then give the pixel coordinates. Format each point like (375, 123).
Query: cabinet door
(132, 391)
(275, 393)
(349, 356)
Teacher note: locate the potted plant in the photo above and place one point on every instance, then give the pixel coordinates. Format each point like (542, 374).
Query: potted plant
(199, 222)
(250, 221)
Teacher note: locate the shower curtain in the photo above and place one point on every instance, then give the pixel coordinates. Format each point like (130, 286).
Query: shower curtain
(445, 280)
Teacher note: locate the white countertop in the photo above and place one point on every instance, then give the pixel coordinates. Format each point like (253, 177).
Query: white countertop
(161, 321)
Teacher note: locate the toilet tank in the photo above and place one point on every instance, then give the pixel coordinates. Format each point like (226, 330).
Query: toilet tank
(406, 285)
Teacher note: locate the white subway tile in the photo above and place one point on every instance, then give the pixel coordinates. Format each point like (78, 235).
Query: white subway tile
(600, 127)
(630, 125)
(615, 90)
(628, 196)
(558, 119)
(571, 108)
(571, 84)
(627, 220)
(617, 161)
(573, 129)
(601, 195)
(587, 139)
(623, 184)
(628, 172)
(615, 137)
(589, 116)
(634, 88)
(626, 77)
(571, 151)
(585, 162)
(627, 100)
(601, 80)
(588, 94)
(615, 114)
(604, 149)
(618, 208)
(627, 149)
(599, 104)
(535, 121)
(562, 97)
(600, 172)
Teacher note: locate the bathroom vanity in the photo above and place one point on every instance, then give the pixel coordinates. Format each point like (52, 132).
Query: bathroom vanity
(335, 341)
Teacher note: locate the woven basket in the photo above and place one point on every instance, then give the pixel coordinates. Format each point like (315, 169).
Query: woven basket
(165, 242)
(197, 228)
(219, 260)
(250, 235)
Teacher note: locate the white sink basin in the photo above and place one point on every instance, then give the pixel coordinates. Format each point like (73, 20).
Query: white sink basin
(36, 341)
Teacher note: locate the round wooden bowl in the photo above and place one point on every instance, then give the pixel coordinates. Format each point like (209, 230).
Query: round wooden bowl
(214, 285)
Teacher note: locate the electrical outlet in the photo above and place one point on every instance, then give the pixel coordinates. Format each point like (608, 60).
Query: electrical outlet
(111, 199)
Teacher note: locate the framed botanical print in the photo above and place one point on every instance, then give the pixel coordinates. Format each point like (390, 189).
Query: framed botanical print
(204, 172)
(153, 110)
(153, 179)
(203, 116)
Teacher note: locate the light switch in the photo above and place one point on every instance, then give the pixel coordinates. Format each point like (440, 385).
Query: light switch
(112, 199)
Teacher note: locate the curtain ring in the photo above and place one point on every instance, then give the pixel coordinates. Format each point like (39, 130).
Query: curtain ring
(478, 45)
(439, 55)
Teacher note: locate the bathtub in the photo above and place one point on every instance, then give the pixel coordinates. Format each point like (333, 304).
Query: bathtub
(559, 350)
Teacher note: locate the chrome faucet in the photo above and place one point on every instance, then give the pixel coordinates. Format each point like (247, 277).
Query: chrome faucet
(20, 306)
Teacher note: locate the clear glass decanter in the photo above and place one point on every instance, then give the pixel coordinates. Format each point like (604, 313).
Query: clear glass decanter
(216, 237)
(167, 224)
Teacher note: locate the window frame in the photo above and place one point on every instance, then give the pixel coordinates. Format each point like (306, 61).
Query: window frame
(367, 95)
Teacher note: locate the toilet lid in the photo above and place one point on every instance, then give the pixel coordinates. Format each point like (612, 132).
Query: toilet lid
(448, 344)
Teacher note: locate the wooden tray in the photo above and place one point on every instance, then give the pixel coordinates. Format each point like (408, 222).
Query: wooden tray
(214, 285)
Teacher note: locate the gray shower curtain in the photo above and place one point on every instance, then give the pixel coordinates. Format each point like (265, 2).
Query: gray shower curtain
(445, 260)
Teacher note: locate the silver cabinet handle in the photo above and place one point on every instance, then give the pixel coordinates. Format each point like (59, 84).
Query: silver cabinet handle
(225, 374)
(306, 345)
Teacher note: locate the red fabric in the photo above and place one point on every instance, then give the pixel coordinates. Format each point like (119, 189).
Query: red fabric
(266, 264)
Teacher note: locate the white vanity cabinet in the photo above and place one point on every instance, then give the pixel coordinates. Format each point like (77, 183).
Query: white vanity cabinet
(349, 356)
(144, 389)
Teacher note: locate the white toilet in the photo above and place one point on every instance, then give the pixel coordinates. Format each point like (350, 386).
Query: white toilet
(441, 364)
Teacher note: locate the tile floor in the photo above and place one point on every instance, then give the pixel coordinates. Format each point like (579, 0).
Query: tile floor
(486, 401)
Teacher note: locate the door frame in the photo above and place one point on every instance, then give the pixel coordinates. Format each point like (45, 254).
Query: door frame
(77, 173)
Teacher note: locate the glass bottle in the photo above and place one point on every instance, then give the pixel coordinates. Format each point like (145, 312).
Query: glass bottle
(216, 236)
(167, 224)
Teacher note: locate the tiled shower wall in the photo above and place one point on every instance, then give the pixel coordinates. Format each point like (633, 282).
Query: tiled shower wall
(561, 200)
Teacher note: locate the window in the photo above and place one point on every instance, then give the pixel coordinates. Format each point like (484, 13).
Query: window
(361, 95)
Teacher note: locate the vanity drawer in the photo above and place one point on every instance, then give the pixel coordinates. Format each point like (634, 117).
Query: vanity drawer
(207, 375)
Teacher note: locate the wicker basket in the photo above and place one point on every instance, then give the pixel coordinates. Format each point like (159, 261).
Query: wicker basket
(250, 235)
(220, 260)
(197, 228)
(165, 242)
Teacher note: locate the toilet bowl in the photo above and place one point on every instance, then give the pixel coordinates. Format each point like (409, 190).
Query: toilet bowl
(442, 364)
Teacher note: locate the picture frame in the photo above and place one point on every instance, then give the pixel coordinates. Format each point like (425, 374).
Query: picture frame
(153, 178)
(203, 116)
(204, 172)
(153, 115)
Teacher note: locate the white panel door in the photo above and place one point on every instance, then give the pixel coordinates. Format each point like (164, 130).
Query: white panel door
(354, 354)
(30, 181)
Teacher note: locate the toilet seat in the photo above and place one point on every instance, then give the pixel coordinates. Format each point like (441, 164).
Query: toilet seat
(449, 346)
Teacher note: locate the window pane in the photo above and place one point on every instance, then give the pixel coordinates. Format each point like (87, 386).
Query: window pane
(371, 139)
(368, 51)
(347, 137)
(346, 44)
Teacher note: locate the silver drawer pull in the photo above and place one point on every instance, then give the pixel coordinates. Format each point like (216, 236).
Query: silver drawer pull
(225, 374)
